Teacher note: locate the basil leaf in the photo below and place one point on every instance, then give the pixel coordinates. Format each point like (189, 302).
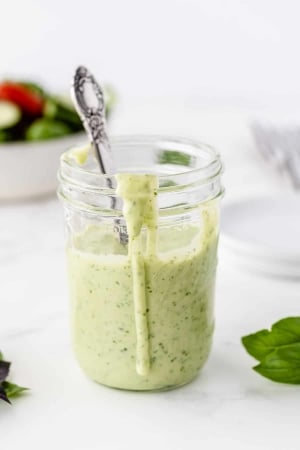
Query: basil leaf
(7, 389)
(13, 390)
(174, 157)
(290, 325)
(4, 369)
(284, 332)
(3, 395)
(282, 365)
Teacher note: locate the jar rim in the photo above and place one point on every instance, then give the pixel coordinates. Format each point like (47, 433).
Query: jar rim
(71, 173)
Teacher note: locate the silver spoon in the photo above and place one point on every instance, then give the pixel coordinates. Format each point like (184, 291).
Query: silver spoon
(88, 99)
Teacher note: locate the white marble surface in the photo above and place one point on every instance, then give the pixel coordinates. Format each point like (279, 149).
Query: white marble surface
(228, 406)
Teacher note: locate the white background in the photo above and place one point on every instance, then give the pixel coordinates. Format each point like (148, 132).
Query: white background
(217, 58)
(232, 51)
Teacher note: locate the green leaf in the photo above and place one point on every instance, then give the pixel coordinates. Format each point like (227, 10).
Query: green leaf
(4, 370)
(6, 135)
(282, 365)
(174, 157)
(13, 390)
(56, 110)
(8, 389)
(278, 351)
(46, 129)
(290, 325)
(3, 395)
(264, 342)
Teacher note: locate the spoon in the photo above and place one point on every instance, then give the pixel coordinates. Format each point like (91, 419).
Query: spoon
(88, 100)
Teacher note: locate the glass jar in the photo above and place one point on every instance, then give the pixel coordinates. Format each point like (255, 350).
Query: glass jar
(143, 319)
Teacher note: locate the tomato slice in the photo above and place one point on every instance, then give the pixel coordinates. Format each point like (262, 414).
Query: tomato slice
(28, 101)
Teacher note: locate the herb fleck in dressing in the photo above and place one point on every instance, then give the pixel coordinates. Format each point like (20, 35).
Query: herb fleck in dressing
(142, 315)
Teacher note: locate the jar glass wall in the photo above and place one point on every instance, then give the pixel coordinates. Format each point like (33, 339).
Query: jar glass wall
(142, 312)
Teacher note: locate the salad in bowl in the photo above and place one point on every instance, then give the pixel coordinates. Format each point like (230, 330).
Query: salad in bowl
(36, 127)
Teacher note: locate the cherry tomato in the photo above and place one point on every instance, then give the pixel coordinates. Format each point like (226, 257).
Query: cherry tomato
(29, 102)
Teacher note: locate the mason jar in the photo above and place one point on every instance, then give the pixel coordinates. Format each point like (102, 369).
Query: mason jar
(142, 320)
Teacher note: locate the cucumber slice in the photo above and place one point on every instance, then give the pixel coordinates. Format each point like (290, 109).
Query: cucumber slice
(46, 129)
(10, 114)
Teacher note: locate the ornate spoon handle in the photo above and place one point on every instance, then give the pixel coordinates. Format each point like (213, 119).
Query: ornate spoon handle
(89, 102)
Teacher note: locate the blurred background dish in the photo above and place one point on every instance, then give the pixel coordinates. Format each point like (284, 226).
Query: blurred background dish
(262, 234)
(35, 128)
(28, 169)
(28, 112)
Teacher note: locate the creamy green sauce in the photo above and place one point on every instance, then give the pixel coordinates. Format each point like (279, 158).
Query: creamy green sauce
(142, 314)
(139, 194)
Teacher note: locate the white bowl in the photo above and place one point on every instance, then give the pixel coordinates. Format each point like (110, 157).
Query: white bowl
(29, 169)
